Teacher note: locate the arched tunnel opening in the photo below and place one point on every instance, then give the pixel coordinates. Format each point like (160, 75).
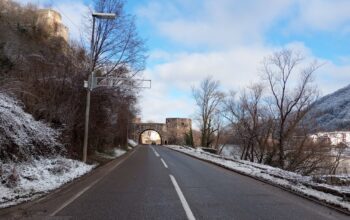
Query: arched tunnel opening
(150, 137)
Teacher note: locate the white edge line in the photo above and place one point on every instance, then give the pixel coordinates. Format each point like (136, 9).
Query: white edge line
(64, 205)
(73, 198)
(165, 165)
(184, 203)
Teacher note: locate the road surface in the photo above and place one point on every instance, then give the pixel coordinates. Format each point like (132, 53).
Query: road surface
(158, 183)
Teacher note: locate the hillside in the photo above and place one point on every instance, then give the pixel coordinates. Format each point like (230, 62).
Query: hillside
(22, 137)
(46, 73)
(31, 161)
(332, 112)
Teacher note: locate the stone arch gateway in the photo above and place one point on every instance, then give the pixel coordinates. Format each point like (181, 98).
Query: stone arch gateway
(150, 137)
(157, 127)
(171, 132)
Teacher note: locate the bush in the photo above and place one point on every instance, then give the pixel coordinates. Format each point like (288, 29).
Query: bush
(9, 176)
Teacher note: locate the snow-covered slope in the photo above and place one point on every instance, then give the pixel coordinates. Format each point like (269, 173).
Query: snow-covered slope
(21, 136)
(30, 164)
(20, 182)
(332, 112)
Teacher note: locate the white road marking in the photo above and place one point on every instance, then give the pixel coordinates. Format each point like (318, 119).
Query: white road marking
(184, 203)
(166, 166)
(73, 198)
(155, 152)
(64, 205)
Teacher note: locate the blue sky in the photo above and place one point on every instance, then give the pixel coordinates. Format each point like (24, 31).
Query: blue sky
(190, 39)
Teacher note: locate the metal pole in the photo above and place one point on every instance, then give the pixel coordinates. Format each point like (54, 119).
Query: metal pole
(127, 132)
(87, 110)
(86, 133)
(127, 127)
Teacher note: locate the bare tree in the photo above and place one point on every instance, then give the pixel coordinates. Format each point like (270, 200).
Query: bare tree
(249, 121)
(219, 127)
(46, 73)
(117, 45)
(289, 103)
(275, 131)
(338, 158)
(208, 97)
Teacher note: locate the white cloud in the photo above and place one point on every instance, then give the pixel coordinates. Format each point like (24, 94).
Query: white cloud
(156, 104)
(74, 16)
(235, 32)
(332, 77)
(228, 23)
(179, 72)
(235, 69)
(232, 33)
(214, 23)
(159, 55)
(322, 15)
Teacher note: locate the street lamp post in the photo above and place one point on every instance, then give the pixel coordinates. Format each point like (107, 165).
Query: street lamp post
(89, 89)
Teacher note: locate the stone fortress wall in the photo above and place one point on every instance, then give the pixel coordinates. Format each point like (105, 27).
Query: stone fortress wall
(51, 20)
(176, 129)
(47, 19)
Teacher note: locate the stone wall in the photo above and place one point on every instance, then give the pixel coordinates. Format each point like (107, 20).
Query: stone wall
(176, 128)
(138, 128)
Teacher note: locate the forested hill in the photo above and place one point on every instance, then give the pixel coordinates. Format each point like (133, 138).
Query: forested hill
(332, 112)
(45, 73)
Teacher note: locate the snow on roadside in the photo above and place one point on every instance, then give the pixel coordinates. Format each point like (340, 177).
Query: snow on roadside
(30, 165)
(114, 153)
(21, 136)
(293, 181)
(230, 150)
(132, 143)
(118, 152)
(36, 178)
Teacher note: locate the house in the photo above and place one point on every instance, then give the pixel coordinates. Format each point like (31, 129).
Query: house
(335, 137)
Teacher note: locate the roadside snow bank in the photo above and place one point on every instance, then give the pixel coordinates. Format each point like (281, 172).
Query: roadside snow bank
(335, 195)
(230, 150)
(132, 143)
(114, 153)
(21, 136)
(30, 165)
(29, 180)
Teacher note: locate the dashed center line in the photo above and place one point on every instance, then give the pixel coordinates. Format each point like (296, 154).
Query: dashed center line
(184, 203)
(165, 165)
(155, 152)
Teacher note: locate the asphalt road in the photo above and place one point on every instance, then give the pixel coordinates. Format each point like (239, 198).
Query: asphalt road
(158, 183)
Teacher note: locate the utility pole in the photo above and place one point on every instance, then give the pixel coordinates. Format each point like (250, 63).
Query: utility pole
(127, 127)
(90, 78)
(104, 81)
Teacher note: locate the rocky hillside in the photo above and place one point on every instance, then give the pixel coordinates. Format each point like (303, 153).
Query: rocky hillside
(332, 112)
(21, 136)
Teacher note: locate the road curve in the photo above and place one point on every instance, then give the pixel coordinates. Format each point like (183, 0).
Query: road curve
(158, 183)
